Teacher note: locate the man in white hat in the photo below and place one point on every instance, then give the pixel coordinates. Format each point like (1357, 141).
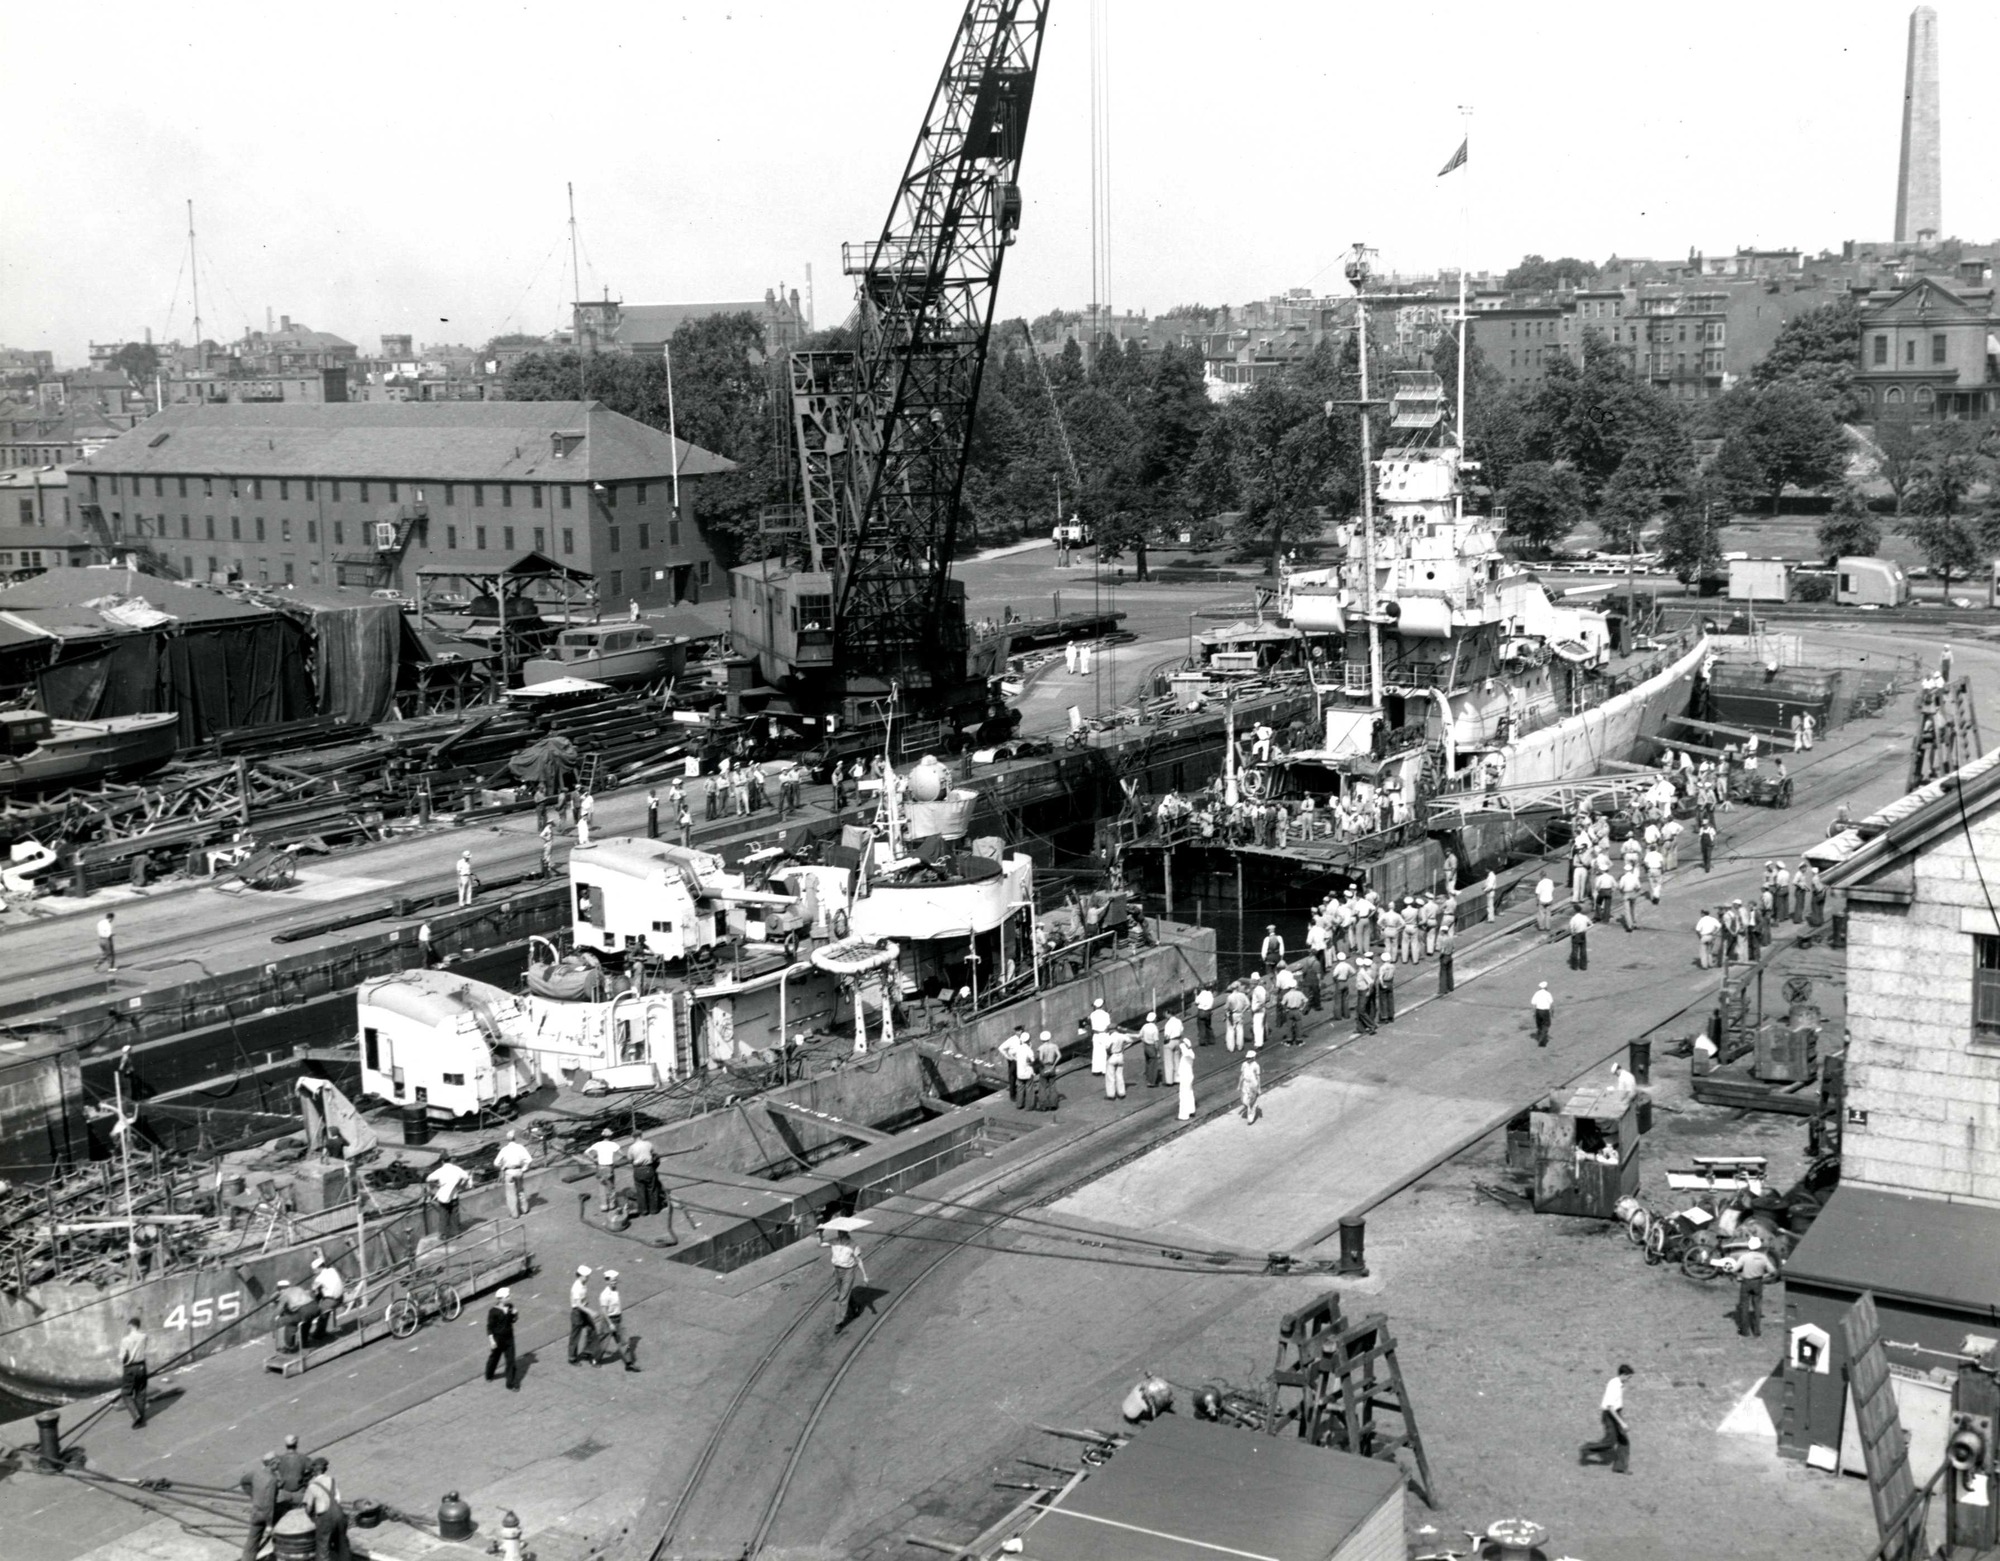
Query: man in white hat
(1543, 1003)
(611, 1307)
(465, 878)
(1100, 1033)
(606, 1154)
(1753, 1267)
(512, 1163)
(500, 1337)
(847, 1267)
(582, 1326)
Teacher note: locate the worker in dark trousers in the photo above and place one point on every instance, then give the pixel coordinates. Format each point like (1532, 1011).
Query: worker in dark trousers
(500, 1337)
(1447, 980)
(1343, 985)
(293, 1469)
(1753, 1267)
(1544, 1005)
(132, 1371)
(1310, 979)
(1707, 837)
(1292, 1010)
(263, 1505)
(582, 1325)
(652, 814)
(1364, 996)
(1385, 989)
(1615, 1445)
(1579, 946)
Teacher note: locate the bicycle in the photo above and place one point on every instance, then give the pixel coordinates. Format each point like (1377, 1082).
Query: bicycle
(405, 1313)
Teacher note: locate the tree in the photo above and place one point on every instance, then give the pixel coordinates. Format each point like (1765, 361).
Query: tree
(1690, 541)
(1951, 544)
(1950, 460)
(1483, 383)
(1817, 351)
(138, 361)
(1850, 530)
(1591, 412)
(1788, 434)
(1543, 504)
(1627, 503)
(513, 339)
(1899, 446)
(1536, 275)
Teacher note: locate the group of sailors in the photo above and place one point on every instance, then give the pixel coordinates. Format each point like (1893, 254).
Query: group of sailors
(1280, 822)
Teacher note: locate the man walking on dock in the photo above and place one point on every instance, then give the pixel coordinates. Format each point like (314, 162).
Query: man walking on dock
(1615, 1445)
(132, 1371)
(1115, 1042)
(548, 849)
(500, 1337)
(446, 1182)
(1343, 986)
(107, 946)
(1707, 837)
(605, 1154)
(1579, 931)
(465, 878)
(582, 1325)
(1250, 1087)
(1545, 897)
(1706, 931)
(1204, 1015)
(1385, 986)
(263, 1505)
(1543, 1004)
(1236, 1009)
(1447, 980)
(652, 814)
(645, 1161)
(1100, 1036)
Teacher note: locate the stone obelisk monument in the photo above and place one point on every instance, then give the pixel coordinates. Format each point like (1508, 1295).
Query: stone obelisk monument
(1919, 184)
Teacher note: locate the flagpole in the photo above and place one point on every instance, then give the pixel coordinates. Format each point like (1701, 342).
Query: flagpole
(1464, 322)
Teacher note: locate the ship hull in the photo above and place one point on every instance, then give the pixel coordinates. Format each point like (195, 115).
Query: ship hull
(1586, 743)
(60, 1339)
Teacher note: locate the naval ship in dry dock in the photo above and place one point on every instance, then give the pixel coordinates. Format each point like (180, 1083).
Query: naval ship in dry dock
(677, 960)
(1446, 670)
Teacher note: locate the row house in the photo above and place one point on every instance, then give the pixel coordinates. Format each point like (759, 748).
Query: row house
(365, 493)
(1928, 350)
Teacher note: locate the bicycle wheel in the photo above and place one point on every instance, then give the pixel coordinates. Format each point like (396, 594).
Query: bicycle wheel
(403, 1317)
(1638, 1226)
(1698, 1263)
(1656, 1243)
(449, 1303)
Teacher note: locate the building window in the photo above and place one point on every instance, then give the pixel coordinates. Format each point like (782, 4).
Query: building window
(1894, 396)
(334, 493)
(260, 528)
(1910, 350)
(535, 495)
(1985, 987)
(392, 492)
(451, 537)
(479, 538)
(236, 528)
(312, 533)
(506, 495)
(541, 540)
(617, 582)
(284, 489)
(451, 493)
(309, 490)
(640, 496)
(507, 539)
(211, 564)
(479, 495)
(701, 572)
(235, 487)
(569, 537)
(645, 536)
(312, 564)
(610, 495)
(160, 483)
(184, 493)
(187, 565)
(285, 528)
(364, 490)
(187, 527)
(673, 533)
(566, 495)
(611, 539)
(209, 522)
(1937, 348)
(207, 492)
(256, 487)
(288, 571)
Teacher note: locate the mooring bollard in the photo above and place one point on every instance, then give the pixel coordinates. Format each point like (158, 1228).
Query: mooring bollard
(48, 1441)
(1353, 1234)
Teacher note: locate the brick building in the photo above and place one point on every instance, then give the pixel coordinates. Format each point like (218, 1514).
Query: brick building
(364, 493)
(1930, 350)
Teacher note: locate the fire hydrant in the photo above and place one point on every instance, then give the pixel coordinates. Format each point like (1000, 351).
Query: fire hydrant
(508, 1546)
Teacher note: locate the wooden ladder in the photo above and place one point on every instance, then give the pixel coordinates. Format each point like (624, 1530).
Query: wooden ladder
(1350, 1390)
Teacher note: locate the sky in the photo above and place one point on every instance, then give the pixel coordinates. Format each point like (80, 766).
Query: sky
(371, 167)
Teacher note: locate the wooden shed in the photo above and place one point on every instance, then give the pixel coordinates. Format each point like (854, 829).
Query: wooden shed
(1586, 1151)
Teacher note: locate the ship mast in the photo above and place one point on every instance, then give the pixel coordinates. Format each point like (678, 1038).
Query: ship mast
(1357, 276)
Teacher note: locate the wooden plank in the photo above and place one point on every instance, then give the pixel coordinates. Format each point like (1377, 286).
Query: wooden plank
(1883, 1446)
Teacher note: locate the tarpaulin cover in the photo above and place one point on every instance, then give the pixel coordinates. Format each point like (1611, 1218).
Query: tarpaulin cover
(215, 676)
(357, 659)
(542, 764)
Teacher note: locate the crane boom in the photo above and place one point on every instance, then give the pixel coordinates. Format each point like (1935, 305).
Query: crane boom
(884, 431)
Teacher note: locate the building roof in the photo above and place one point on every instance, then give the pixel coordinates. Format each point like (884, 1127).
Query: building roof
(1908, 825)
(1184, 1487)
(654, 323)
(43, 536)
(439, 441)
(78, 602)
(32, 477)
(1918, 1249)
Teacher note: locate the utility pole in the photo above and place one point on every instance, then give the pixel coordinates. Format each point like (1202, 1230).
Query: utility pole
(576, 281)
(1357, 276)
(194, 271)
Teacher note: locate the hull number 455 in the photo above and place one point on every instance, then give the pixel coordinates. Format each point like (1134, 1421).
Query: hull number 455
(206, 1313)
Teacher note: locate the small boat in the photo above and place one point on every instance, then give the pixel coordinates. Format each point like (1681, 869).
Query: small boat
(40, 753)
(622, 654)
